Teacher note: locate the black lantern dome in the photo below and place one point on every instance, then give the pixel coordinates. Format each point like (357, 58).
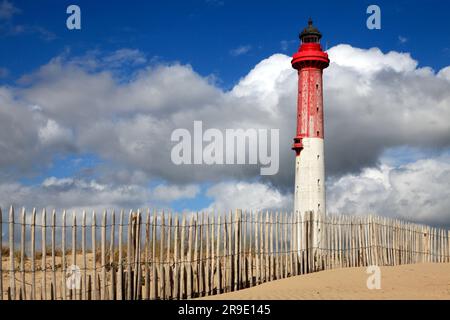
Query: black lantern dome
(310, 33)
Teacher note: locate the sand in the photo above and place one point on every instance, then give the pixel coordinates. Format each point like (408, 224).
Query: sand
(39, 274)
(418, 281)
(407, 282)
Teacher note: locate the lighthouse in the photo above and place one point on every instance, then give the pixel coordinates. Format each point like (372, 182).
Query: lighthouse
(309, 61)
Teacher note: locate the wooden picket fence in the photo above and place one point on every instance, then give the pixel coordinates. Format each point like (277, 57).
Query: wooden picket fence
(151, 255)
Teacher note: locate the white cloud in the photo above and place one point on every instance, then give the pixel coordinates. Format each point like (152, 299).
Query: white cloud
(74, 194)
(247, 196)
(371, 60)
(170, 193)
(444, 73)
(240, 50)
(417, 191)
(53, 133)
(55, 182)
(123, 56)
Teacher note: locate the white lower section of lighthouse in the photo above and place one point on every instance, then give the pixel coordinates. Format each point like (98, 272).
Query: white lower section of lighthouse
(310, 187)
(310, 177)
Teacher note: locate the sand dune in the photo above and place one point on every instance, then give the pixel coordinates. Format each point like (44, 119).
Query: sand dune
(419, 281)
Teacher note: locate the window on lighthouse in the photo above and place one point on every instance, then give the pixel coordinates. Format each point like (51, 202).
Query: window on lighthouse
(311, 39)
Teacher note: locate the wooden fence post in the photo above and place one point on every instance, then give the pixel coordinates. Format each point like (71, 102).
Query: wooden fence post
(183, 258)
(103, 257)
(236, 250)
(44, 254)
(266, 249)
(83, 249)
(120, 294)
(225, 253)
(195, 257)
(262, 247)
(22, 255)
(286, 248)
(63, 257)
(276, 267)
(201, 264)
(176, 273)
(74, 250)
(217, 256)
(154, 287)
(167, 263)
(94, 255)
(162, 285)
(53, 256)
(12, 268)
(189, 258)
(257, 248)
(209, 278)
(137, 257)
(251, 250)
(112, 238)
(147, 256)
(212, 261)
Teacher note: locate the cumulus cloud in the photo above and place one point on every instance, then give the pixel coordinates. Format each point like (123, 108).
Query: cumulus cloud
(370, 61)
(170, 193)
(53, 133)
(444, 73)
(247, 196)
(373, 101)
(418, 191)
(74, 194)
(382, 101)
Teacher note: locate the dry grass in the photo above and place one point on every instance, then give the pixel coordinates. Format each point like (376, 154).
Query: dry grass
(5, 251)
(17, 254)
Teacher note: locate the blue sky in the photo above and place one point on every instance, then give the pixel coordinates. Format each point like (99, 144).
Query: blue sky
(203, 32)
(69, 131)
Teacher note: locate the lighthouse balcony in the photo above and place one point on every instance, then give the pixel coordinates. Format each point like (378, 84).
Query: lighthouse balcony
(298, 145)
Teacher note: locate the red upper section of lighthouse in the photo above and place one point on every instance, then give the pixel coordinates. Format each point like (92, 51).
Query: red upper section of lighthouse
(310, 53)
(310, 60)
